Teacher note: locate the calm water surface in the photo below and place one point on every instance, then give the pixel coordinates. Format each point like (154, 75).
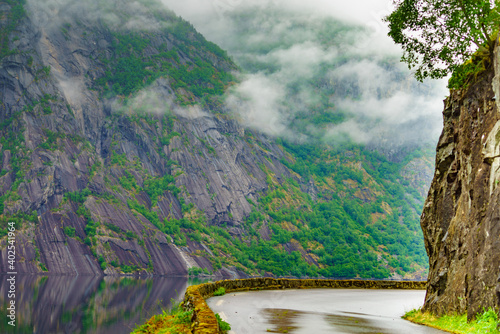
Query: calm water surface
(87, 304)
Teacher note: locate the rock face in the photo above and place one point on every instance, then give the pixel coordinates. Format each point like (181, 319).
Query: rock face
(461, 215)
(68, 139)
(118, 156)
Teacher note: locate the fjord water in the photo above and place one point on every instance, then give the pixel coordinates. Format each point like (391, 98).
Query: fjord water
(87, 304)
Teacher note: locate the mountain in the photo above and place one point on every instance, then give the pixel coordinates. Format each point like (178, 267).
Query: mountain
(460, 217)
(121, 153)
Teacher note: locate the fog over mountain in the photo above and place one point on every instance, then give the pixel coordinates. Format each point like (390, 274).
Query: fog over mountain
(296, 53)
(321, 69)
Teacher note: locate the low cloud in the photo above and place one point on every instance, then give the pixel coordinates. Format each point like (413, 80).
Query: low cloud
(258, 103)
(157, 99)
(396, 108)
(297, 54)
(298, 58)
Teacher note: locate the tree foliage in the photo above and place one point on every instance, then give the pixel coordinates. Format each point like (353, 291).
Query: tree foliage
(10, 21)
(437, 36)
(132, 65)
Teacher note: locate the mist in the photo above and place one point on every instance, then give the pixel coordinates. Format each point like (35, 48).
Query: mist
(319, 69)
(157, 99)
(295, 54)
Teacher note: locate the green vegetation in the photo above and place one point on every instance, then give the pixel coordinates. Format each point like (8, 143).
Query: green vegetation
(465, 74)
(157, 187)
(197, 271)
(43, 73)
(224, 326)
(363, 221)
(51, 142)
(91, 226)
(220, 291)
(13, 18)
(128, 181)
(174, 321)
(437, 39)
(127, 72)
(78, 196)
(132, 67)
(486, 322)
(69, 231)
(348, 234)
(119, 159)
(12, 139)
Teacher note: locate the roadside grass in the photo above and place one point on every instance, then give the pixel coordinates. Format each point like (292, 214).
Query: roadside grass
(224, 326)
(487, 322)
(173, 321)
(220, 292)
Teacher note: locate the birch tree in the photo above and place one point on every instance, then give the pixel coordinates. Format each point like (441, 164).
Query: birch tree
(437, 36)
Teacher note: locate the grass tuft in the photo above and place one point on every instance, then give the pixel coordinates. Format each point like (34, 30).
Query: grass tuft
(486, 322)
(220, 291)
(224, 326)
(176, 320)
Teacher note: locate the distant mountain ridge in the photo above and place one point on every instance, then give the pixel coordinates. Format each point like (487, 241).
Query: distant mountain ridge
(119, 156)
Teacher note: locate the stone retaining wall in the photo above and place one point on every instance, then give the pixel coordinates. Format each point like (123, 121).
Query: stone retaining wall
(205, 322)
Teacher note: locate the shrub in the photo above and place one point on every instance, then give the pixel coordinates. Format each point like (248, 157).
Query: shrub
(224, 326)
(220, 291)
(69, 231)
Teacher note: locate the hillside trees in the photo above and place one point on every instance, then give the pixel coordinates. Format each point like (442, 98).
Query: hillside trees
(438, 36)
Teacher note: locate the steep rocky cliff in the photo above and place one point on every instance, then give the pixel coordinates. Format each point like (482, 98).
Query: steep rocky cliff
(118, 155)
(461, 217)
(68, 139)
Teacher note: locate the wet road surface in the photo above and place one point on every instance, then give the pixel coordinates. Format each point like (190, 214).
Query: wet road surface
(320, 311)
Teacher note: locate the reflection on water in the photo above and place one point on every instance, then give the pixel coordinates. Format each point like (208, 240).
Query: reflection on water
(86, 304)
(287, 321)
(293, 321)
(284, 321)
(355, 324)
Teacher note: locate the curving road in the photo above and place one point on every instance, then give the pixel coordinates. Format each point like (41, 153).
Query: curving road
(320, 311)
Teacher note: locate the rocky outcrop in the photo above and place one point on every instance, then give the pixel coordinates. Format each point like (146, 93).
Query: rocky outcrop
(461, 215)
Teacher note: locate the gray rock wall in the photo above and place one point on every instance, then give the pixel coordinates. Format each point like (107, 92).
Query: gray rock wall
(461, 214)
(216, 168)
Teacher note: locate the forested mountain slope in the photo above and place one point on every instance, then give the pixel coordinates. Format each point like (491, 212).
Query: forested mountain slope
(120, 154)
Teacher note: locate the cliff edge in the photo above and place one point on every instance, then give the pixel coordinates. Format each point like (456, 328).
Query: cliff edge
(461, 215)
